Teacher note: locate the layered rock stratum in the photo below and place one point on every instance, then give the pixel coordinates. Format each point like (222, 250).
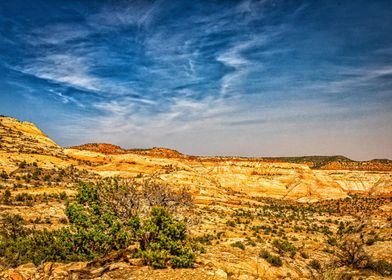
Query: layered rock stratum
(210, 179)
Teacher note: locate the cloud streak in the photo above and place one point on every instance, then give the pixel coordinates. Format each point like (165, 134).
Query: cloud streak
(145, 73)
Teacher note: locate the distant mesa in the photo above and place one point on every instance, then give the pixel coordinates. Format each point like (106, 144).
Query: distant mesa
(110, 149)
(339, 163)
(104, 148)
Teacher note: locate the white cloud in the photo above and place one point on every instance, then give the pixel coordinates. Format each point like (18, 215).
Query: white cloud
(67, 99)
(139, 13)
(63, 68)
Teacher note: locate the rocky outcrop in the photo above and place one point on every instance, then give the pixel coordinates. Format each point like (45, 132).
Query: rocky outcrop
(23, 141)
(214, 181)
(209, 179)
(24, 137)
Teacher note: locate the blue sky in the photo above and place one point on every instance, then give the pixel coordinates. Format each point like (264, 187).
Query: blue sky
(250, 78)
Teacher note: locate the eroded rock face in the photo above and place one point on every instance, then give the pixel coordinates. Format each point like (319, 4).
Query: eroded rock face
(209, 179)
(213, 181)
(373, 183)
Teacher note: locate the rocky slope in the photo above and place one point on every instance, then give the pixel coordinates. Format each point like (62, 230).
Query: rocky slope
(211, 180)
(23, 141)
(25, 137)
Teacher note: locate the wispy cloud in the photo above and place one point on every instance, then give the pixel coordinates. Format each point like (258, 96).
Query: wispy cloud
(63, 68)
(139, 13)
(156, 72)
(67, 99)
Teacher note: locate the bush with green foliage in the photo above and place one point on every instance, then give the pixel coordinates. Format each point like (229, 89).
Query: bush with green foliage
(97, 227)
(274, 260)
(7, 197)
(238, 244)
(381, 266)
(315, 264)
(163, 241)
(371, 241)
(284, 246)
(4, 175)
(332, 241)
(304, 255)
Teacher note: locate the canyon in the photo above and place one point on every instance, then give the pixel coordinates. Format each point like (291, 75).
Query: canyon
(221, 189)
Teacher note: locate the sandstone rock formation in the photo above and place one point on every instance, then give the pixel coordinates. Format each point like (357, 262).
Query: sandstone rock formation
(209, 179)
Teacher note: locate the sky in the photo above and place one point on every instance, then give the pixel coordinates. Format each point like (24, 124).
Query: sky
(246, 78)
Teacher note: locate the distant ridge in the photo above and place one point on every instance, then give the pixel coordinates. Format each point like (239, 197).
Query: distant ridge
(338, 162)
(25, 137)
(108, 149)
(103, 148)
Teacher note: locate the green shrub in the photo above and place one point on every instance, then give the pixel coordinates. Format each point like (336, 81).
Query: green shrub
(7, 197)
(97, 227)
(238, 244)
(332, 241)
(274, 260)
(22, 197)
(206, 238)
(63, 196)
(22, 164)
(186, 259)
(4, 175)
(315, 264)
(231, 223)
(381, 266)
(304, 255)
(163, 241)
(156, 259)
(284, 246)
(370, 241)
(63, 220)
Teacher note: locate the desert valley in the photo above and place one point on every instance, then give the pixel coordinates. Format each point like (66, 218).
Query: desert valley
(308, 217)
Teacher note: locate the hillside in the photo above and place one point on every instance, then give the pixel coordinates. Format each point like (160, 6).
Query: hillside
(110, 149)
(303, 178)
(338, 163)
(314, 162)
(103, 148)
(25, 137)
(267, 218)
(23, 141)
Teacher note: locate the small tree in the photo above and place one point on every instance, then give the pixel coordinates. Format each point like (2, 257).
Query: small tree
(351, 253)
(163, 242)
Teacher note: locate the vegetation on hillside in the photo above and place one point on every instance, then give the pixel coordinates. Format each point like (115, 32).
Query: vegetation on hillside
(104, 218)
